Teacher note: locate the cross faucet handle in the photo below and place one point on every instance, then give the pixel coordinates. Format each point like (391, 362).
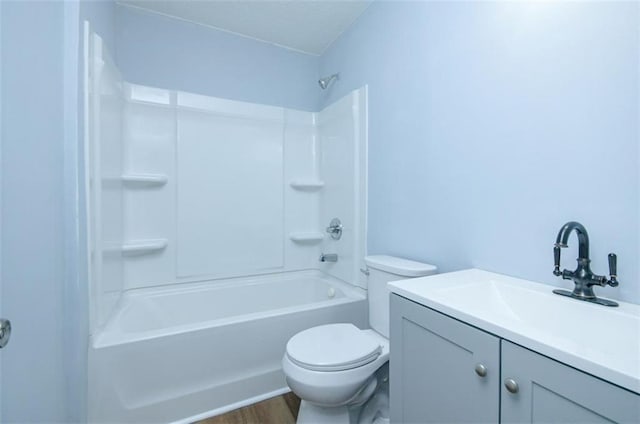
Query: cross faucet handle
(613, 270)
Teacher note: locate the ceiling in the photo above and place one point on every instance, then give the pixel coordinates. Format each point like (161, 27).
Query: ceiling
(309, 26)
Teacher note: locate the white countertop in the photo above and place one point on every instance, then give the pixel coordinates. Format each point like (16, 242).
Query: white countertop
(600, 340)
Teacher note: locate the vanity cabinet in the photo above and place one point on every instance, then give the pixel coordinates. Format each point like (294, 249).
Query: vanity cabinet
(433, 368)
(551, 392)
(445, 371)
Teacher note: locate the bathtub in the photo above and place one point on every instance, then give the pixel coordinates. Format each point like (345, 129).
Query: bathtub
(189, 351)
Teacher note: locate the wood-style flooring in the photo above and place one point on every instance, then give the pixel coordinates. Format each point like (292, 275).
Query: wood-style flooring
(278, 410)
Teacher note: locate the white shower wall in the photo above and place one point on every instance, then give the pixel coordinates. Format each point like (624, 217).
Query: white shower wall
(230, 193)
(149, 216)
(302, 211)
(104, 169)
(343, 168)
(197, 188)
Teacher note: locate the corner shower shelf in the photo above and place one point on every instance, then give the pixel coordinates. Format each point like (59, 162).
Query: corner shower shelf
(308, 237)
(307, 184)
(144, 180)
(143, 247)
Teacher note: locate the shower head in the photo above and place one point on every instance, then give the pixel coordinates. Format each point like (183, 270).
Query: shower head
(326, 81)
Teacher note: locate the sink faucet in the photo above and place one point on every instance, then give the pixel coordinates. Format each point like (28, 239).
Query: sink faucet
(328, 257)
(583, 278)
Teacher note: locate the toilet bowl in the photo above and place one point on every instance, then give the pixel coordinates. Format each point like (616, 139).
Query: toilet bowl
(336, 369)
(321, 373)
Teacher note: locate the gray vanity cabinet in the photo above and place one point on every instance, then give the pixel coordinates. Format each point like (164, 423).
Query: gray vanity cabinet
(441, 370)
(445, 371)
(551, 392)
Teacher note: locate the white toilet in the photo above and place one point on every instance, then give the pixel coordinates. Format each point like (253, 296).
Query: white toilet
(340, 371)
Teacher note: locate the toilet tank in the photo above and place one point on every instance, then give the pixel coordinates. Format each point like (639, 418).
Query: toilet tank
(382, 269)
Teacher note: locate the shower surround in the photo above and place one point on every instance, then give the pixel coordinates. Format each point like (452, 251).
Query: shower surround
(207, 219)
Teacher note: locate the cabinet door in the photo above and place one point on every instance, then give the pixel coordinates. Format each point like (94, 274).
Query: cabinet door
(433, 368)
(551, 392)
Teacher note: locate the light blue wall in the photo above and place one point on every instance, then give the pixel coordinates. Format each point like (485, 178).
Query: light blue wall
(492, 124)
(32, 210)
(75, 289)
(169, 53)
(43, 268)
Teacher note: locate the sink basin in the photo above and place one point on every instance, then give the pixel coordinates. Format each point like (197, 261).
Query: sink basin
(600, 340)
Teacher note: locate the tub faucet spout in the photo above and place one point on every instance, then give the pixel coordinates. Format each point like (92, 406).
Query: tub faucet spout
(328, 257)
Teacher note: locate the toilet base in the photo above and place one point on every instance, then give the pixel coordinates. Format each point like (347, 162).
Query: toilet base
(313, 414)
(373, 407)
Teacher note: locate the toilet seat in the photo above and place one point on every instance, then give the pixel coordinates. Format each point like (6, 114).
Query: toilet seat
(333, 347)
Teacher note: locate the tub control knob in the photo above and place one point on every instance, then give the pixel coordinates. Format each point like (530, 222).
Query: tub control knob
(335, 229)
(331, 292)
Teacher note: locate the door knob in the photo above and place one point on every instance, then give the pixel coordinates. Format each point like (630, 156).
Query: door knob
(5, 332)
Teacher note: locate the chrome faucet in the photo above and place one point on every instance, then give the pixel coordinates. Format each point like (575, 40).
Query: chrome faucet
(583, 278)
(328, 257)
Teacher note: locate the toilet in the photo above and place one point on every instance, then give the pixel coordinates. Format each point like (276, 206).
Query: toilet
(340, 371)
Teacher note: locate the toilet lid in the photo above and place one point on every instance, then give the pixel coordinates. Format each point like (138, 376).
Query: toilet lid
(333, 347)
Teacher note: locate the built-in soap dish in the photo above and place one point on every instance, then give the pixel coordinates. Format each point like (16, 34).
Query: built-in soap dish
(306, 237)
(143, 247)
(307, 185)
(144, 180)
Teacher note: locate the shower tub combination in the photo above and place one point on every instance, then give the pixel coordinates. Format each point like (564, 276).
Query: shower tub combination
(206, 219)
(187, 352)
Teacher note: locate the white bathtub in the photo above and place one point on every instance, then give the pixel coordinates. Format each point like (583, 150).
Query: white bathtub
(189, 351)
